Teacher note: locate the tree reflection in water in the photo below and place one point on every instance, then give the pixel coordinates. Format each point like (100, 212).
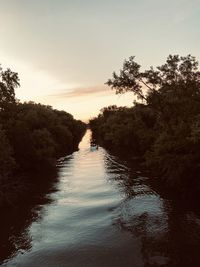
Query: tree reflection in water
(167, 230)
(16, 221)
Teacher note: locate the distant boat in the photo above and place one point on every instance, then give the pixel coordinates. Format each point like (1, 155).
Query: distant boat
(93, 146)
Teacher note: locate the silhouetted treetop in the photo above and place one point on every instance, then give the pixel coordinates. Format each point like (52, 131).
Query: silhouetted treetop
(9, 80)
(176, 71)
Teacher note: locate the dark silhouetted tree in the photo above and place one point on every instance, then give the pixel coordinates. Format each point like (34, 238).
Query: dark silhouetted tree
(164, 128)
(8, 82)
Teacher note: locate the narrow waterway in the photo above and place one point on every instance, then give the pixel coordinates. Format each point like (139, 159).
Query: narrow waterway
(103, 213)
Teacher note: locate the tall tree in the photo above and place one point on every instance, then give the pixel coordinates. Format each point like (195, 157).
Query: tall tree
(8, 82)
(176, 71)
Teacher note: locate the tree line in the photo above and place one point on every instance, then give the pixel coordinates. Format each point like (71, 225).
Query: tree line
(32, 136)
(163, 126)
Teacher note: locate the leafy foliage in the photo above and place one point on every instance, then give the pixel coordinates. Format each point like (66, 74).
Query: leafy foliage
(8, 82)
(7, 162)
(32, 135)
(164, 129)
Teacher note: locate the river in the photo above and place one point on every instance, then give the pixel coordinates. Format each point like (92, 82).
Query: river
(102, 212)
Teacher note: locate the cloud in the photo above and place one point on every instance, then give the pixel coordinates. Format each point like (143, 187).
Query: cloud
(82, 92)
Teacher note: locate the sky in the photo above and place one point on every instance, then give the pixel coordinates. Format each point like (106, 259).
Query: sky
(65, 50)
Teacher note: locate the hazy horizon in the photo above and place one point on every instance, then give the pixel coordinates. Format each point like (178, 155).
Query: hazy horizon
(64, 51)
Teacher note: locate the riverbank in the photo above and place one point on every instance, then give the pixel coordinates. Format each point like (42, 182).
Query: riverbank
(32, 137)
(21, 188)
(171, 158)
(187, 192)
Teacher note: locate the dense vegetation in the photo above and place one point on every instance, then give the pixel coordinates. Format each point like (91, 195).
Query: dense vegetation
(32, 136)
(163, 127)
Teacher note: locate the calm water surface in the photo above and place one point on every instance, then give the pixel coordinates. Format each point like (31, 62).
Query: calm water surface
(101, 212)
